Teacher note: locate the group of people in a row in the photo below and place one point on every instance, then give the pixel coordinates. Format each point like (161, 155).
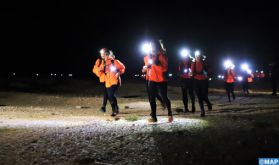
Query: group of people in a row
(193, 74)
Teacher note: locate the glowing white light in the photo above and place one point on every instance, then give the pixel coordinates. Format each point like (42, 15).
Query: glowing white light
(170, 75)
(147, 48)
(55, 74)
(112, 68)
(222, 77)
(51, 74)
(262, 71)
(210, 79)
(61, 75)
(244, 67)
(239, 78)
(14, 74)
(249, 71)
(102, 51)
(219, 76)
(229, 64)
(185, 71)
(137, 75)
(150, 61)
(37, 74)
(185, 53)
(70, 75)
(197, 53)
(257, 71)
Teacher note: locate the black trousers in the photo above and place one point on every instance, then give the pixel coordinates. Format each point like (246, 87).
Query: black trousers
(202, 92)
(105, 94)
(111, 91)
(208, 103)
(187, 86)
(245, 86)
(158, 96)
(153, 89)
(230, 90)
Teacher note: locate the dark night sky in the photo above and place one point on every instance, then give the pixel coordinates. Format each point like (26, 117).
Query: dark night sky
(66, 36)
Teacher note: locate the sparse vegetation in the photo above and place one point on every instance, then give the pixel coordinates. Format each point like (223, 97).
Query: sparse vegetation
(4, 129)
(132, 118)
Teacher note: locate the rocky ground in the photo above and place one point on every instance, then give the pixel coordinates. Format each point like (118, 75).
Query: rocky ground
(66, 128)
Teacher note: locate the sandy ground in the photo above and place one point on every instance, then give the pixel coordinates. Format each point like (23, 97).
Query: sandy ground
(67, 128)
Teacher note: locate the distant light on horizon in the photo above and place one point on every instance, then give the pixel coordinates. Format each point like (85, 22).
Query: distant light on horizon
(220, 76)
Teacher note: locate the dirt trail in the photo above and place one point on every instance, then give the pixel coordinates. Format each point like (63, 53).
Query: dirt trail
(68, 129)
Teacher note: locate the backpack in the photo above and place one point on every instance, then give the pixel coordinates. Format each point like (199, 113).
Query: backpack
(204, 68)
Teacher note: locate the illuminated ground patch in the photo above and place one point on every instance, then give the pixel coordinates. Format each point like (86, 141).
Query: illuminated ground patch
(29, 123)
(105, 125)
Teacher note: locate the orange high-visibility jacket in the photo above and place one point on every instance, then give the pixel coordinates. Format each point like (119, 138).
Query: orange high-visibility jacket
(155, 72)
(99, 64)
(198, 69)
(114, 68)
(230, 76)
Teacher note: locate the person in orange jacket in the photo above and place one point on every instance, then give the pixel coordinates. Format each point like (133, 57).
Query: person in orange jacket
(200, 74)
(98, 70)
(230, 78)
(156, 66)
(146, 77)
(187, 82)
(112, 80)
